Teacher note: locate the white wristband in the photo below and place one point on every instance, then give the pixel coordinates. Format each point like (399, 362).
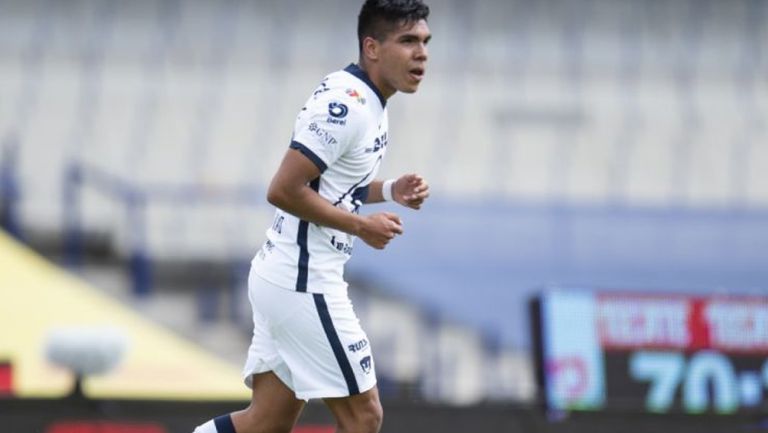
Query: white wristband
(386, 189)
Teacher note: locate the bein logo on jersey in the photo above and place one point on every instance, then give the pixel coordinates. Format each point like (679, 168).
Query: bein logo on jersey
(338, 111)
(366, 363)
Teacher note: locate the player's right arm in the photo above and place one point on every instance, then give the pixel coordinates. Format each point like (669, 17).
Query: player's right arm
(290, 191)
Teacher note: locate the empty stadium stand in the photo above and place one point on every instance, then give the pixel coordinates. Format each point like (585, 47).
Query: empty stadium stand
(593, 143)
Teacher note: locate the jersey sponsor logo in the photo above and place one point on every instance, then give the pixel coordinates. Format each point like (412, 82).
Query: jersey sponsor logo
(355, 94)
(358, 346)
(342, 247)
(366, 364)
(322, 133)
(378, 144)
(268, 247)
(337, 111)
(277, 225)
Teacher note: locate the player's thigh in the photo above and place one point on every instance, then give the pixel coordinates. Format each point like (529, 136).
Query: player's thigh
(273, 407)
(363, 409)
(325, 349)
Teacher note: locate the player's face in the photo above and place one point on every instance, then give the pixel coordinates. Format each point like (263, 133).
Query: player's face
(404, 57)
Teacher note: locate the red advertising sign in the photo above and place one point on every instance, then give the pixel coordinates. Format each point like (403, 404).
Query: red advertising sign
(663, 353)
(6, 378)
(727, 324)
(104, 427)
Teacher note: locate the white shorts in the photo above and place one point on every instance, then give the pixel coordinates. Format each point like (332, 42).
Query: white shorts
(312, 342)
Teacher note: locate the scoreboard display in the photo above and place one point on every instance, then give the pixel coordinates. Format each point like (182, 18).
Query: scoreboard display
(652, 352)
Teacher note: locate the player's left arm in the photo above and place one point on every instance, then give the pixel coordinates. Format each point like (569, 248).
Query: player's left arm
(410, 190)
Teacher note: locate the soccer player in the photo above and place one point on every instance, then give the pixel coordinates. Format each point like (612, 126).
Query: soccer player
(307, 341)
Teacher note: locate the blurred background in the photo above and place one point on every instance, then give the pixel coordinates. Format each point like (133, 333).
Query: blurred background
(604, 146)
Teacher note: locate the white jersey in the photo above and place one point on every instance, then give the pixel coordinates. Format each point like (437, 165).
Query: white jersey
(343, 130)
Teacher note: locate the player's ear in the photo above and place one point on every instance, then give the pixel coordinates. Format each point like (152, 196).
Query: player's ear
(370, 48)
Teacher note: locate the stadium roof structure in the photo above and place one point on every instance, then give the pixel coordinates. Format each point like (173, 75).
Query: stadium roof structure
(38, 297)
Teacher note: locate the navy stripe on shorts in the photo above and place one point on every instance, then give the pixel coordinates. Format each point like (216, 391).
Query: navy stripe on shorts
(338, 349)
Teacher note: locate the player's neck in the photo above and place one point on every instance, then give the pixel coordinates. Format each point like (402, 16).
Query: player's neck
(373, 74)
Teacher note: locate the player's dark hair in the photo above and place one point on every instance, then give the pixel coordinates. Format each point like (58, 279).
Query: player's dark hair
(379, 17)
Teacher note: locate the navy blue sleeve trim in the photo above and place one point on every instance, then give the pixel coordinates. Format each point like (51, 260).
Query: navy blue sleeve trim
(224, 424)
(309, 154)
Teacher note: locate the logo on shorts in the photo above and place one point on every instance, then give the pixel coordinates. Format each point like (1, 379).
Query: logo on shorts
(360, 345)
(367, 364)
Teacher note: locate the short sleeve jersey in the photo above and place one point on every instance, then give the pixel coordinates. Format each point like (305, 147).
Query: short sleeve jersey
(342, 129)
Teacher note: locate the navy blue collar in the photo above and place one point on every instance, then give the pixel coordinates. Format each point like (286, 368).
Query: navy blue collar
(359, 73)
